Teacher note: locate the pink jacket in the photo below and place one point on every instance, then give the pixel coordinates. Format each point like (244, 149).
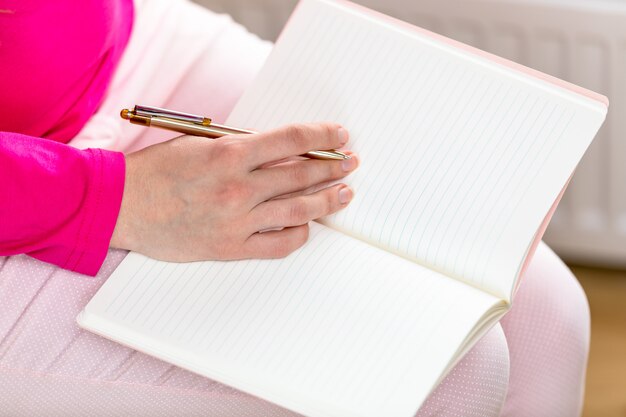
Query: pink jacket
(57, 203)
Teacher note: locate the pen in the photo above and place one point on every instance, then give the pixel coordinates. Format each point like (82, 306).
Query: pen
(191, 124)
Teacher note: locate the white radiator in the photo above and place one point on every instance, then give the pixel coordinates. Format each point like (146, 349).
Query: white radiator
(582, 41)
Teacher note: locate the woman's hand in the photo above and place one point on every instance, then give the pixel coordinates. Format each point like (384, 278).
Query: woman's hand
(195, 199)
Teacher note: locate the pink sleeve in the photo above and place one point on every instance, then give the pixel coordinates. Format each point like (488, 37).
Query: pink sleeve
(57, 203)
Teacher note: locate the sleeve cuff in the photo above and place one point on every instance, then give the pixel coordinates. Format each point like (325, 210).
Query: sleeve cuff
(102, 206)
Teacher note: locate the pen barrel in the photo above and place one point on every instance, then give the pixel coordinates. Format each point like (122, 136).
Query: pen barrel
(217, 131)
(191, 129)
(330, 154)
(232, 130)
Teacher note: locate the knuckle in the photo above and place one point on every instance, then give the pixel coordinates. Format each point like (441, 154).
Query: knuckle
(334, 170)
(329, 130)
(328, 202)
(299, 174)
(218, 145)
(231, 151)
(298, 211)
(296, 133)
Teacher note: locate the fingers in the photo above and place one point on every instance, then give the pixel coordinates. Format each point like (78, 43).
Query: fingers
(296, 139)
(294, 176)
(276, 244)
(302, 209)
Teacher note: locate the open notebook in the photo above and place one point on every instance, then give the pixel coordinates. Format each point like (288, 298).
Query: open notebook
(463, 156)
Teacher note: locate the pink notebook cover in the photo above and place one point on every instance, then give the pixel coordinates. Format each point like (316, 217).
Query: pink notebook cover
(539, 235)
(500, 61)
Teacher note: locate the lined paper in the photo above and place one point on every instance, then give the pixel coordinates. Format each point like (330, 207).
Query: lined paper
(460, 158)
(338, 328)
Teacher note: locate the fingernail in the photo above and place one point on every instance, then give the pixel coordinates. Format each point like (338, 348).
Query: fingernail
(343, 136)
(345, 195)
(349, 164)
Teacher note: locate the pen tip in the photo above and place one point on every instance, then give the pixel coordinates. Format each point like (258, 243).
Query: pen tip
(124, 114)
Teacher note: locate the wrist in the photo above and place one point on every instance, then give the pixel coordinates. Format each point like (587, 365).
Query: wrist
(122, 233)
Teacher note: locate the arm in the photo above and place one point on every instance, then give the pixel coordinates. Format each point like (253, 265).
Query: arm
(58, 204)
(183, 200)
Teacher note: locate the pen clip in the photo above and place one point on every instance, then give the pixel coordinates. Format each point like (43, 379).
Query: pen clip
(147, 111)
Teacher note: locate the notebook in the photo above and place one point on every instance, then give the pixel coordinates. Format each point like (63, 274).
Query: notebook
(463, 158)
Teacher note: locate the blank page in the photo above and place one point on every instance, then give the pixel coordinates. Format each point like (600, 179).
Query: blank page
(461, 157)
(338, 328)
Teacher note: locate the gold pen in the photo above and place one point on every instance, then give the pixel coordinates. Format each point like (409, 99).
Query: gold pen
(191, 124)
